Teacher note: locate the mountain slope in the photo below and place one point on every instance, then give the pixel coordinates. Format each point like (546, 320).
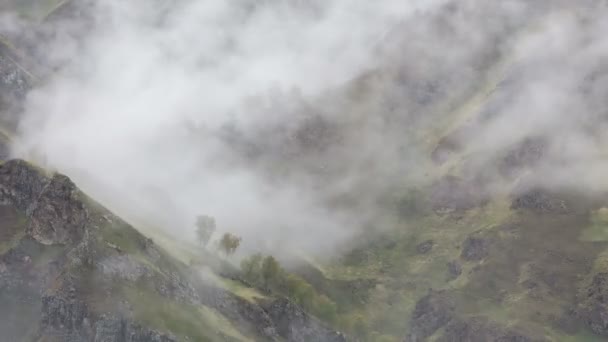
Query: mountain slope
(477, 248)
(72, 271)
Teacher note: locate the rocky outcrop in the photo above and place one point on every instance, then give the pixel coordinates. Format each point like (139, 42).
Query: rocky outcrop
(437, 310)
(425, 247)
(111, 329)
(294, 325)
(78, 267)
(246, 315)
(20, 184)
(474, 248)
(539, 201)
(432, 312)
(594, 305)
(68, 320)
(55, 212)
(481, 330)
(59, 216)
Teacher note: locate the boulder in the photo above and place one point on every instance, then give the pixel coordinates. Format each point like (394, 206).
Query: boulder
(432, 312)
(474, 249)
(425, 247)
(295, 325)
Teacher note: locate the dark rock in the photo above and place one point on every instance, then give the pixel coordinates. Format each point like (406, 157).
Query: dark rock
(454, 270)
(21, 184)
(68, 319)
(59, 313)
(481, 330)
(432, 312)
(540, 201)
(594, 307)
(295, 325)
(425, 247)
(110, 329)
(178, 288)
(247, 316)
(59, 216)
(567, 322)
(474, 249)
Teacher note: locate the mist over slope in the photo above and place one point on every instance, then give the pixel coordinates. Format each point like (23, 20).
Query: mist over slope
(434, 168)
(292, 121)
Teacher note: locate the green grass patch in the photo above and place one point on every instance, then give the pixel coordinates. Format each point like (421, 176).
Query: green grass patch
(598, 226)
(250, 294)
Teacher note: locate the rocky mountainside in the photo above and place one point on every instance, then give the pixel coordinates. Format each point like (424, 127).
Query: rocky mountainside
(72, 271)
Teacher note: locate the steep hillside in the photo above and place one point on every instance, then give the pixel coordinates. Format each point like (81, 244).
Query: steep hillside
(72, 271)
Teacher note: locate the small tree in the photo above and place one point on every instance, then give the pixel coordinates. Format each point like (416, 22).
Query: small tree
(271, 272)
(205, 227)
(229, 243)
(252, 267)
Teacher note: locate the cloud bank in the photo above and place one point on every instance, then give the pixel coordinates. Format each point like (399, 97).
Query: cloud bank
(289, 121)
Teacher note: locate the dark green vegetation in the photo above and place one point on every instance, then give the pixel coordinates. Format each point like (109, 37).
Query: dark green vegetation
(266, 274)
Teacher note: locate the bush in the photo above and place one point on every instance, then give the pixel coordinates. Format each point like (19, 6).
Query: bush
(252, 269)
(266, 273)
(299, 291)
(326, 309)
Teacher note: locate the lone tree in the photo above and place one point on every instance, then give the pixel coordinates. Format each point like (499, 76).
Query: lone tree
(271, 272)
(252, 268)
(205, 227)
(229, 243)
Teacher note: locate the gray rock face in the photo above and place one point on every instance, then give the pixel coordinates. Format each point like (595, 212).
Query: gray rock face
(123, 267)
(594, 309)
(20, 184)
(431, 313)
(65, 319)
(69, 320)
(113, 329)
(436, 311)
(57, 216)
(295, 325)
(480, 330)
(245, 314)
